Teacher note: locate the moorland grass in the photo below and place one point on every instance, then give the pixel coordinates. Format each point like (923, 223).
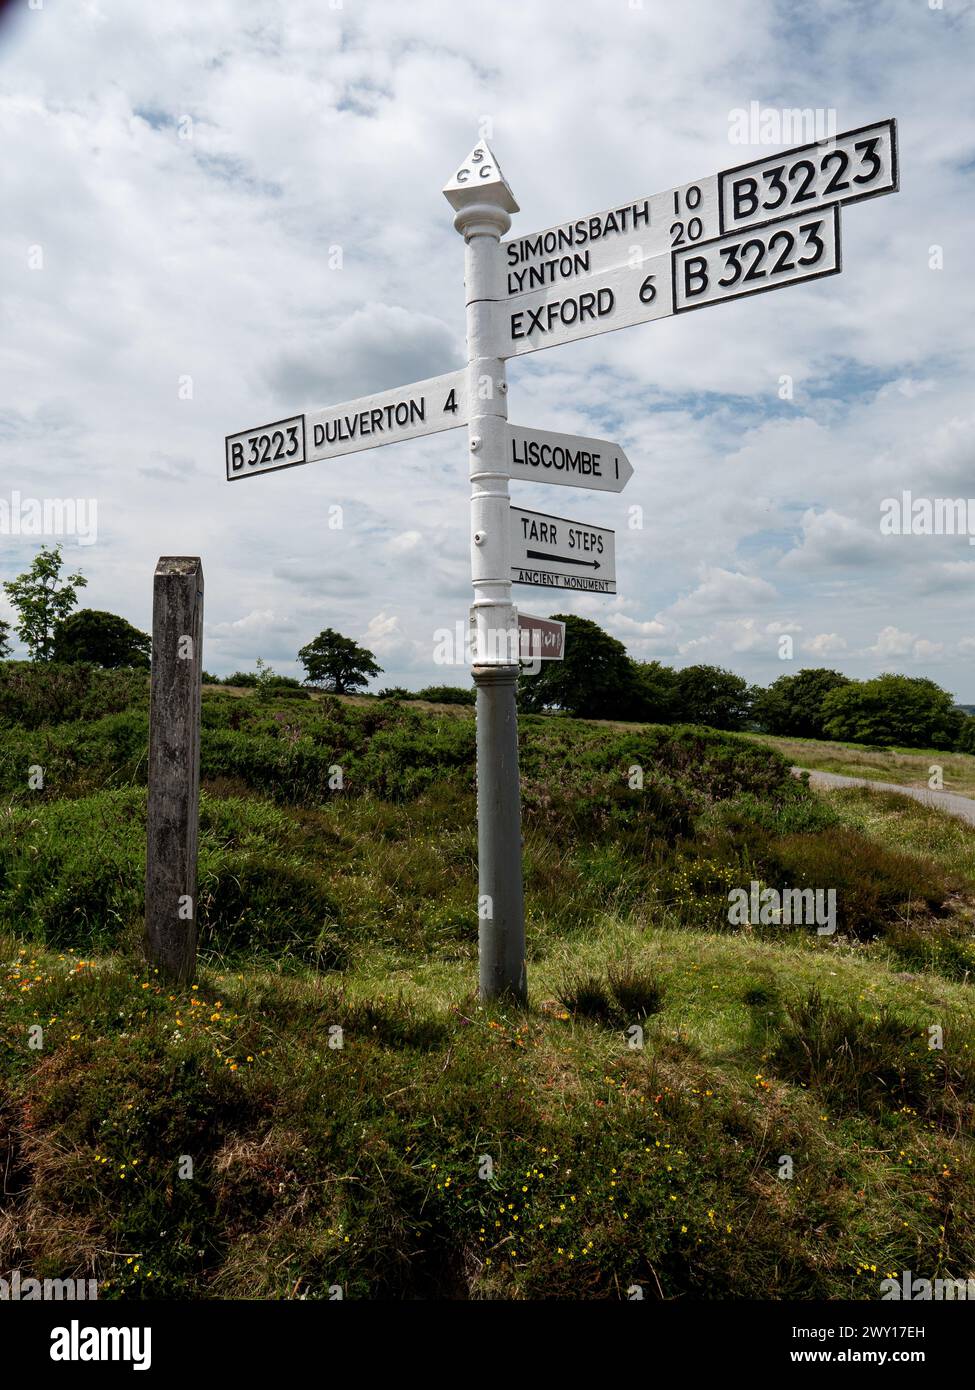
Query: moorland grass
(353, 1116)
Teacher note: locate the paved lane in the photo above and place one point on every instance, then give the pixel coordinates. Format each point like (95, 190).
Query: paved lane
(950, 802)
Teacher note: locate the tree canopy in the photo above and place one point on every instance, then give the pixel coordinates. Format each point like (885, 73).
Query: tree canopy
(43, 599)
(794, 704)
(102, 638)
(336, 663)
(893, 711)
(711, 695)
(596, 680)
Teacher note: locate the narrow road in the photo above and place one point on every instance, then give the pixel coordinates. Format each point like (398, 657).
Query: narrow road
(955, 805)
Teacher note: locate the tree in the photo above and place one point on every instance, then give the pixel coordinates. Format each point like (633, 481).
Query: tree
(102, 638)
(658, 692)
(892, 710)
(43, 600)
(965, 743)
(595, 680)
(794, 704)
(713, 696)
(337, 663)
(4, 639)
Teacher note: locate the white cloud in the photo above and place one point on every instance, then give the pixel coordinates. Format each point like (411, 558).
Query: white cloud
(722, 591)
(892, 642)
(315, 129)
(824, 644)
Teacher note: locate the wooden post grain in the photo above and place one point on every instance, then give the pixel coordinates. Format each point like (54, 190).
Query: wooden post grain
(174, 766)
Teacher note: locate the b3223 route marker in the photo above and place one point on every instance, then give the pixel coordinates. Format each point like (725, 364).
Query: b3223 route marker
(406, 412)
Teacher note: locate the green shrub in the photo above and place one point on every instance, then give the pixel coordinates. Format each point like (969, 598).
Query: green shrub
(275, 692)
(39, 694)
(627, 995)
(949, 951)
(447, 694)
(876, 1065)
(875, 887)
(72, 873)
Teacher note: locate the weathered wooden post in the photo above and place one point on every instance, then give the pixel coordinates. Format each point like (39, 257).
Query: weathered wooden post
(174, 766)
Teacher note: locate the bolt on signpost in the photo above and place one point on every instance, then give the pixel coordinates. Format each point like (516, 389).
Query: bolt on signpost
(483, 204)
(761, 226)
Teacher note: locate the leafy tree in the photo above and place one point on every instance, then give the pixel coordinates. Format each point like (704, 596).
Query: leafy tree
(596, 679)
(43, 599)
(658, 692)
(794, 704)
(102, 638)
(713, 696)
(892, 710)
(966, 736)
(337, 663)
(5, 647)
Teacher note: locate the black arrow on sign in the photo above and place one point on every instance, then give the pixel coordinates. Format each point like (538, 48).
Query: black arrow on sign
(561, 559)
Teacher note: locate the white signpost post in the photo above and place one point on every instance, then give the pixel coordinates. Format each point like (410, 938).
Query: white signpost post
(760, 226)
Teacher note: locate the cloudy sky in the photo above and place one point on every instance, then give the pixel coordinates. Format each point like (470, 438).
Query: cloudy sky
(174, 180)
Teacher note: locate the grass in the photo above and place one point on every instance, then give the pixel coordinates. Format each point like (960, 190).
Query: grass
(331, 1105)
(908, 767)
(606, 1165)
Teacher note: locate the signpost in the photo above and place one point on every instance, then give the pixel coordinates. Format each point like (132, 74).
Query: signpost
(561, 554)
(804, 246)
(857, 164)
(760, 226)
(406, 412)
(541, 456)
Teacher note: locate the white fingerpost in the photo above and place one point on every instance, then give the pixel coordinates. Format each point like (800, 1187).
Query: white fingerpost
(483, 204)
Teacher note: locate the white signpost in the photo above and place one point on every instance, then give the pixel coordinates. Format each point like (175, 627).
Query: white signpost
(804, 246)
(406, 412)
(760, 226)
(857, 164)
(542, 456)
(557, 553)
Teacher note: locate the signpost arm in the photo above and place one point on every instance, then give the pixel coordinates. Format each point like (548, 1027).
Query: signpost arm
(484, 202)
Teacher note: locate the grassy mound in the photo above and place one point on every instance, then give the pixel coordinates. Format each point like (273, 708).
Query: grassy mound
(695, 1106)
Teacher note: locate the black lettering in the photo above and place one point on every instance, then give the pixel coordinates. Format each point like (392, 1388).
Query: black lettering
(695, 276)
(744, 193)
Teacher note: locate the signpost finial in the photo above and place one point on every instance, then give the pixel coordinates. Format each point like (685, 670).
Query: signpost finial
(479, 180)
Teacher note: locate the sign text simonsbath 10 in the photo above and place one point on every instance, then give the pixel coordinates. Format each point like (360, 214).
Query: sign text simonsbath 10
(763, 225)
(857, 164)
